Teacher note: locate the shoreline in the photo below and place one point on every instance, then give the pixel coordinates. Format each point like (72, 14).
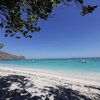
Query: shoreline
(46, 85)
(85, 78)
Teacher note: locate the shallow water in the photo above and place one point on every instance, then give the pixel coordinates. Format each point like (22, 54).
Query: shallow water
(76, 65)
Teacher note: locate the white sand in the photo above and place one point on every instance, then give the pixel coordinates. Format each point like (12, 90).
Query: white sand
(41, 78)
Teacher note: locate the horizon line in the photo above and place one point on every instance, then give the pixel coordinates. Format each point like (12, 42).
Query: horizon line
(63, 58)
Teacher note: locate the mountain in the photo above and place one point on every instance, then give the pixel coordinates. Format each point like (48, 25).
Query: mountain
(8, 56)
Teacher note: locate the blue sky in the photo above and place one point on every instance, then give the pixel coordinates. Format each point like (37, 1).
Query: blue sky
(66, 34)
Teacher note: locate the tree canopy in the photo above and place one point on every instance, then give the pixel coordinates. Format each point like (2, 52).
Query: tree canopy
(1, 45)
(23, 15)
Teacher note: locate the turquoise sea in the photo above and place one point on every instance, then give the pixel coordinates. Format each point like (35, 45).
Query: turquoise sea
(75, 64)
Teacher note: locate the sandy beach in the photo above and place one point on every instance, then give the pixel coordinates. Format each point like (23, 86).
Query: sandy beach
(29, 84)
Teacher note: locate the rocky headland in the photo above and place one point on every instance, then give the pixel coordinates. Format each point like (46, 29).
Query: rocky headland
(8, 56)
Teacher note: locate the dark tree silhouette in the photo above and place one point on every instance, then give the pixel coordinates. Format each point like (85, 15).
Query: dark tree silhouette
(23, 15)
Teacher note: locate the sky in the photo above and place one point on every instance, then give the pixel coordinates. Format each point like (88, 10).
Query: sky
(67, 34)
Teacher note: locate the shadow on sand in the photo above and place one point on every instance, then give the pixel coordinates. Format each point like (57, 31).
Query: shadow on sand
(59, 93)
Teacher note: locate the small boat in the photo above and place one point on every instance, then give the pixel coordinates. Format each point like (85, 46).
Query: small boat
(83, 61)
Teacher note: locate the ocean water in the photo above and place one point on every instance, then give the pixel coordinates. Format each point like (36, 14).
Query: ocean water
(92, 65)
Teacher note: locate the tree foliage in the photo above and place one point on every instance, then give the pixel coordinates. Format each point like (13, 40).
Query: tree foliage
(23, 15)
(1, 45)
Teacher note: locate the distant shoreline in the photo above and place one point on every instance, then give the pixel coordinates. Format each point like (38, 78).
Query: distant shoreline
(54, 58)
